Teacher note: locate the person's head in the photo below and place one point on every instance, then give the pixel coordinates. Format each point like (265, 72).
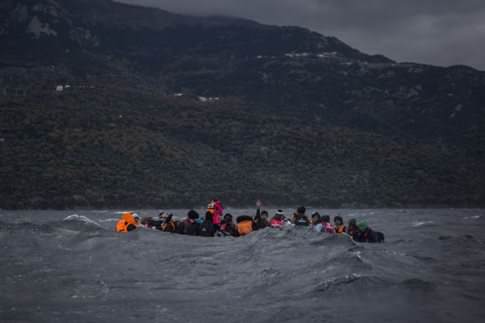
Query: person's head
(315, 218)
(279, 214)
(301, 210)
(325, 218)
(136, 217)
(264, 215)
(338, 220)
(165, 218)
(162, 216)
(211, 207)
(193, 215)
(208, 216)
(227, 218)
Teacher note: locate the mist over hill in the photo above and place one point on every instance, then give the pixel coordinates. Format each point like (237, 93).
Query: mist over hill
(108, 105)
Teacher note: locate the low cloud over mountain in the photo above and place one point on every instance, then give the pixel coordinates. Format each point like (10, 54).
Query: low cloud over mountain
(444, 32)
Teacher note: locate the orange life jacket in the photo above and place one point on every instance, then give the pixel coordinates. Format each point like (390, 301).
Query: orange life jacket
(127, 218)
(340, 229)
(245, 227)
(169, 227)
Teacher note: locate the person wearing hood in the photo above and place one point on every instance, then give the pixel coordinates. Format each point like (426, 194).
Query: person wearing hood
(190, 226)
(299, 218)
(278, 220)
(217, 210)
(207, 228)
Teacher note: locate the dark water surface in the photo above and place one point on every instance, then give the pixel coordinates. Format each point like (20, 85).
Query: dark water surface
(431, 269)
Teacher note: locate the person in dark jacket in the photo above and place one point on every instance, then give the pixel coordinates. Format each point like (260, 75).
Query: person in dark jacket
(366, 234)
(353, 230)
(207, 228)
(361, 232)
(299, 218)
(150, 223)
(227, 226)
(261, 219)
(190, 225)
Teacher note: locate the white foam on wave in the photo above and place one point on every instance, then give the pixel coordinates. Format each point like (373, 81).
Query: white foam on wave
(473, 217)
(81, 218)
(421, 223)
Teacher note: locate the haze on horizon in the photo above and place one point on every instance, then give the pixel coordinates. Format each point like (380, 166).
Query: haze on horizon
(436, 32)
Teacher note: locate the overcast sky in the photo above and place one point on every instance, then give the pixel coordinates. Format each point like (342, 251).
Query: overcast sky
(439, 32)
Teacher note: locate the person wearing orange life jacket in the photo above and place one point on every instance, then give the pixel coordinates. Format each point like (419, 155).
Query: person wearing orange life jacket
(244, 225)
(339, 224)
(278, 220)
(127, 222)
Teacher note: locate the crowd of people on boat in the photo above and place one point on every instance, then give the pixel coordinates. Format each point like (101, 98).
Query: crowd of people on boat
(216, 223)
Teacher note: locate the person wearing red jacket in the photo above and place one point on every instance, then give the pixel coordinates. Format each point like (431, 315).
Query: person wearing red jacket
(217, 210)
(278, 220)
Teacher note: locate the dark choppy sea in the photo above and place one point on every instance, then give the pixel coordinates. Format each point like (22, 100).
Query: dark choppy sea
(430, 269)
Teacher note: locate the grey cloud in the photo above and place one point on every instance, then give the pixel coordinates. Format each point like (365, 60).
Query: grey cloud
(440, 32)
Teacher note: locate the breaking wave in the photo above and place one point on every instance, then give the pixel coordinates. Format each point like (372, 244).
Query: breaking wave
(422, 223)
